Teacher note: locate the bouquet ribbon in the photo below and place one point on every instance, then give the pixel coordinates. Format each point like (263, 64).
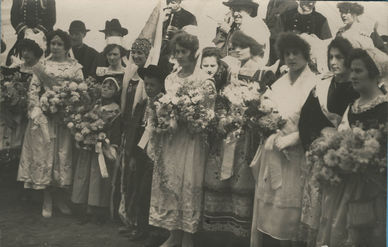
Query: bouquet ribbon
(101, 160)
(228, 159)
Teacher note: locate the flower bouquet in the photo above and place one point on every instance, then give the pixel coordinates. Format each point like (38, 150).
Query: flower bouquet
(14, 89)
(263, 117)
(164, 110)
(337, 154)
(195, 106)
(90, 128)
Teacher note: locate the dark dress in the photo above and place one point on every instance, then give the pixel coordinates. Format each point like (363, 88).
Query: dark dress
(40, 14)
(313, 120)
(354, 212)
(137, 180)
(317, 114)
(85, 56)
(314, 23)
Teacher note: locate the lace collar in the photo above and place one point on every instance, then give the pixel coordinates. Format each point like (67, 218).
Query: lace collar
(357, 108)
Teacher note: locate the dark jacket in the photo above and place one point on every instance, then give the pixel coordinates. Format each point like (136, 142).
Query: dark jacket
(39, 14)
(314, 23)
(85, 55)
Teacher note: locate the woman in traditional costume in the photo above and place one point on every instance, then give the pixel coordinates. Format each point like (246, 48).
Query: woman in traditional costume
(14, 114)
(177, 185)
(280, 159)
(229, 184)
(323, 108)
(353, 30)
(354, 212)
(92, 188)
(46, 159)
(132, 197)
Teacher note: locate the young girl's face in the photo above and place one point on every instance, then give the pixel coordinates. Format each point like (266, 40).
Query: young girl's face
(210, 65)
(152, 86)
(108, 89)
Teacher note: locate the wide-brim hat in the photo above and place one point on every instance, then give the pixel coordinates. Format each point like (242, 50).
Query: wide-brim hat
(245, 3)
(153, 71)
(114, 25)
(78, 26)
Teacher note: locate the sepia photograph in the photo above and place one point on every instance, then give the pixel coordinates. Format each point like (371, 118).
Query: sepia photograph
(193, 123)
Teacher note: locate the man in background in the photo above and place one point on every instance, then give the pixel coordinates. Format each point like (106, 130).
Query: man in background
(114, 34)
(84, 54)
(175, 18)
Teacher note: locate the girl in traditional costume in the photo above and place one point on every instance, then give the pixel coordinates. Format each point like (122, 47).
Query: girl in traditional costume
(46, 159)
(278, 195)
(13, 114)
(323, 108)
(354, 212)
(91, 187)
(177, 185)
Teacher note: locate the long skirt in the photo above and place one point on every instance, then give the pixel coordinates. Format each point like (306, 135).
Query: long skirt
(11, 134)
(354, 212)
(45, 162)
(177, 183)
(279, 204)
(89, 186)
(136, 192)
(228, 203)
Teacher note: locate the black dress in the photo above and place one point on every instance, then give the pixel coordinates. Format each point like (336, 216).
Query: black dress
(312, 118)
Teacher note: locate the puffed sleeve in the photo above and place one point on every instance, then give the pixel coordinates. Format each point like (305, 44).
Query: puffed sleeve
(16, 16)
(78, 75)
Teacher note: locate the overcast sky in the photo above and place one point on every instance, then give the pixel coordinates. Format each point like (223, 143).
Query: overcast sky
(133, 14)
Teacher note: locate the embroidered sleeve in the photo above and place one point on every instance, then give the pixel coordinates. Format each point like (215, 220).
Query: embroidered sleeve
(33, 94)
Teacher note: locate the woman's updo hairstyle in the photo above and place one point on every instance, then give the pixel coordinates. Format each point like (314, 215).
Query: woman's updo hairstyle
(291, 41)
(343, 45)
(187, 41)
(110, 47)
(65, 37)
(349, 7)
(373, 71)
(240, 39)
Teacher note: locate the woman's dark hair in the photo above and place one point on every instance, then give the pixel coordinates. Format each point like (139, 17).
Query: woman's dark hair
(291, 41)
(222, 75)
(212, 52)
(240, 39)
(343, 45)
(373, 71)
(187, 41)
(349, 7)
(110, 47)
(65, 37)
(30, 45)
